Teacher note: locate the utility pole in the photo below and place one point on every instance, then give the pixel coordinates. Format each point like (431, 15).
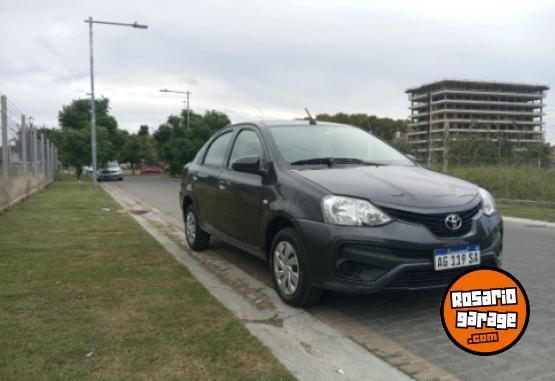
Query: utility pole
(187, 93)
(93, 111)
(90, 21)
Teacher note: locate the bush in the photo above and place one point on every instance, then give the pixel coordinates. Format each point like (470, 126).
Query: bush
(513, 182)
(475, 150)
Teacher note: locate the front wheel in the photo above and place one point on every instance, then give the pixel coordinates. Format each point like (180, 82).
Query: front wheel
(196, 237)
(289, 265)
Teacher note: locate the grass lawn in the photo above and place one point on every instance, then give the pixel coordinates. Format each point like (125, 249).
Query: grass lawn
(523, 211)
(88, 295)
(511, 182)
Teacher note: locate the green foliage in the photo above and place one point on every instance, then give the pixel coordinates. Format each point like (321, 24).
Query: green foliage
(73, 140)
(511, 182)
(477, 150)
(526, 211)
(178, 145)
(52, 134)
(77, 115)
(384, 128)
(75, 148)
(75, 279)
(473, 150)
(140, 148)
(143, 130)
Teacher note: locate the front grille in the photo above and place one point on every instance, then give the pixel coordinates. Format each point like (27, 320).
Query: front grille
(436, 222)
(429, 277)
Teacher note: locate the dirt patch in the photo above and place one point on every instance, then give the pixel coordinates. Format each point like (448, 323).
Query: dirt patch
(275, 320)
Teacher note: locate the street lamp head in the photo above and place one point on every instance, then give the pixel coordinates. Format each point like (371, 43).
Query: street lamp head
(139, 26)
(164, 91)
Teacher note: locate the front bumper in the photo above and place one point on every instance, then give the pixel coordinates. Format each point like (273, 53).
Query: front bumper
(109, 176)
(397, 256)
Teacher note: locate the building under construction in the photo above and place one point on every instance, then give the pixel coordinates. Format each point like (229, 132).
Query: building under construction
(450, 109)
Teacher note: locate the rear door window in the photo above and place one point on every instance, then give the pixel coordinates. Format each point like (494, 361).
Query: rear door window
(215, 156)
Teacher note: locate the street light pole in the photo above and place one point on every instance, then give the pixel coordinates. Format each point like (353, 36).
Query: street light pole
(93, 111)
(90, 21)
(180, 92)
(188, 93)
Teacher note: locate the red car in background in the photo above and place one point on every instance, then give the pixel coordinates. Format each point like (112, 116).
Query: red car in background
(151, 169)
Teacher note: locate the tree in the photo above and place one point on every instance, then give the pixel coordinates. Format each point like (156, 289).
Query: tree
(77, 115)
(143, 130)
(177, 144)
(134, 151)
(139, 147)
(75, 148)
(384, 128)
(73, 140)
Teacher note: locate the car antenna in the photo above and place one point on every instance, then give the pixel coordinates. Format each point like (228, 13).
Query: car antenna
(261, 114)
(311, 120)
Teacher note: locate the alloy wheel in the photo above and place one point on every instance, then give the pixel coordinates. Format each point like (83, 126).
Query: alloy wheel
(191, 227)
(286, 267)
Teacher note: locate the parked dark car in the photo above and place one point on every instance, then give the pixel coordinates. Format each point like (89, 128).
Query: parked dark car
(330, 206)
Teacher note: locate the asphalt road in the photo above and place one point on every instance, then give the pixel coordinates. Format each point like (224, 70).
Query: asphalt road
(411, 320)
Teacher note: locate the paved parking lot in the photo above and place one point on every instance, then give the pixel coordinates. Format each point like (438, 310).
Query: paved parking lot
(405, 328)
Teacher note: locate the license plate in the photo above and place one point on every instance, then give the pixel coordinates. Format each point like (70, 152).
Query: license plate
(455, 257)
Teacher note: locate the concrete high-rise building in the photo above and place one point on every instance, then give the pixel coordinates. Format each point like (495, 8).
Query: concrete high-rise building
(450, 109)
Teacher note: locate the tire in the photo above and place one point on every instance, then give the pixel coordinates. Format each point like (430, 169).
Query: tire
(303, 294)
(197, 238)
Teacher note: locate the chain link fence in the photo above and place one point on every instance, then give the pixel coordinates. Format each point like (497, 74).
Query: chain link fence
(28, 160)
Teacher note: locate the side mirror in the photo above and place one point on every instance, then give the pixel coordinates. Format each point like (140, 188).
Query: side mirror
(248, 164)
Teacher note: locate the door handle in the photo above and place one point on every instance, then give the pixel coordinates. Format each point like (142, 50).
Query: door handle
(222, 183)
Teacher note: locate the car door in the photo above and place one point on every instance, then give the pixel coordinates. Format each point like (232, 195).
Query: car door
(240, 192)
(205, 180)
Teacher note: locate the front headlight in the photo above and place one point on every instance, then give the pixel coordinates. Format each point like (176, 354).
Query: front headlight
(340, 210)
(488, 202)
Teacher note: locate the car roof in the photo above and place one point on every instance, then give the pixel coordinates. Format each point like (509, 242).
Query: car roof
(284, 122)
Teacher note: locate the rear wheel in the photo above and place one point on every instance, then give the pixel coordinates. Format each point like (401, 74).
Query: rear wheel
(196, 237)
(289, 265)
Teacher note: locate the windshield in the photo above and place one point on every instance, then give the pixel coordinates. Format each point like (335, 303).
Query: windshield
(302, 144)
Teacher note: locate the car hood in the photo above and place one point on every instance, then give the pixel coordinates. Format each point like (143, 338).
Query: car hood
(408, 187)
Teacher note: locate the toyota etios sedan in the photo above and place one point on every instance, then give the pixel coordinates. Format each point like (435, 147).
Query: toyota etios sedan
(331, 207)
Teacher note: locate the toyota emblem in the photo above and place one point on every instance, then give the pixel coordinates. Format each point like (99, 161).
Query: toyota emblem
(453, 222)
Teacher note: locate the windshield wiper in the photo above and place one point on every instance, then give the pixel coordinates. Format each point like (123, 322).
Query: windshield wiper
(329, 161)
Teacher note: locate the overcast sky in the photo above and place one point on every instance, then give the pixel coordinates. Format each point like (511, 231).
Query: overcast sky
(267, 58)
